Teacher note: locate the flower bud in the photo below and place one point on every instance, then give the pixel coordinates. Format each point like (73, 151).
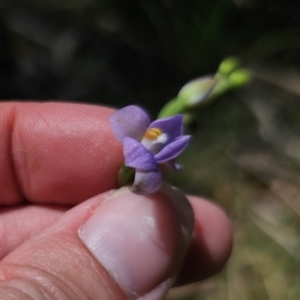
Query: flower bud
(239, 78)
(196, 91)
(228, 65)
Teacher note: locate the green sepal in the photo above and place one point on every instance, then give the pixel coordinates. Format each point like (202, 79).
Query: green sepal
(125, 175)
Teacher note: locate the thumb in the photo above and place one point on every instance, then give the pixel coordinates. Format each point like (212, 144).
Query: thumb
(116, 245)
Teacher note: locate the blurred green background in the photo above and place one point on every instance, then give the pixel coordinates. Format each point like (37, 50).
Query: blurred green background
(245, 154)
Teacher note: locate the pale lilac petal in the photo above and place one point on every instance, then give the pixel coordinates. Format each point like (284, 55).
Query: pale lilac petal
(129, 121)
(146, 183)
(137, 156)
(173, 149)
(172, 126)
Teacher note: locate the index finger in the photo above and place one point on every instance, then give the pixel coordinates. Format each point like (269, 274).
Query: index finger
(56, 152)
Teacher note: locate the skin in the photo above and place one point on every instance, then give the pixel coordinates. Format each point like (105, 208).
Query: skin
(54, 156)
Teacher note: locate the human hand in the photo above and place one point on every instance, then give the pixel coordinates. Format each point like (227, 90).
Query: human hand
(65, 235)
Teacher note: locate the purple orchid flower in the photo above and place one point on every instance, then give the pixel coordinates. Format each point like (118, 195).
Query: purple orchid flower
(146, 145)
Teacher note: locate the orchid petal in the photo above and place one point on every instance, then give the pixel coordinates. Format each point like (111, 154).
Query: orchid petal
(146, 183)
(137, 156)
(130, 121)
(173, 149)
(171, 126)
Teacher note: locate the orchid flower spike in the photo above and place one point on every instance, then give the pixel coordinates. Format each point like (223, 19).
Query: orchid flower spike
(147, 145)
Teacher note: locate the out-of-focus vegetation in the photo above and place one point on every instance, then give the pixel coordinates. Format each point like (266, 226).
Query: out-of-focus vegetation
(245, 153)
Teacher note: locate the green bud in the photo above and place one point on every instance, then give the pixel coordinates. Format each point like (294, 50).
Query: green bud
(239, 78)
(228, 65)
(125, 175)
(196, 91)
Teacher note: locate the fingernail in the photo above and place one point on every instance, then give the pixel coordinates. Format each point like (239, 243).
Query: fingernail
(140, 240)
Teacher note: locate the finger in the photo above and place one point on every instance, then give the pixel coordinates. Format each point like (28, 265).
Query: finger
(113, 246)
(209, 250)
(211, 243)
(19, 223)
(56, 152)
